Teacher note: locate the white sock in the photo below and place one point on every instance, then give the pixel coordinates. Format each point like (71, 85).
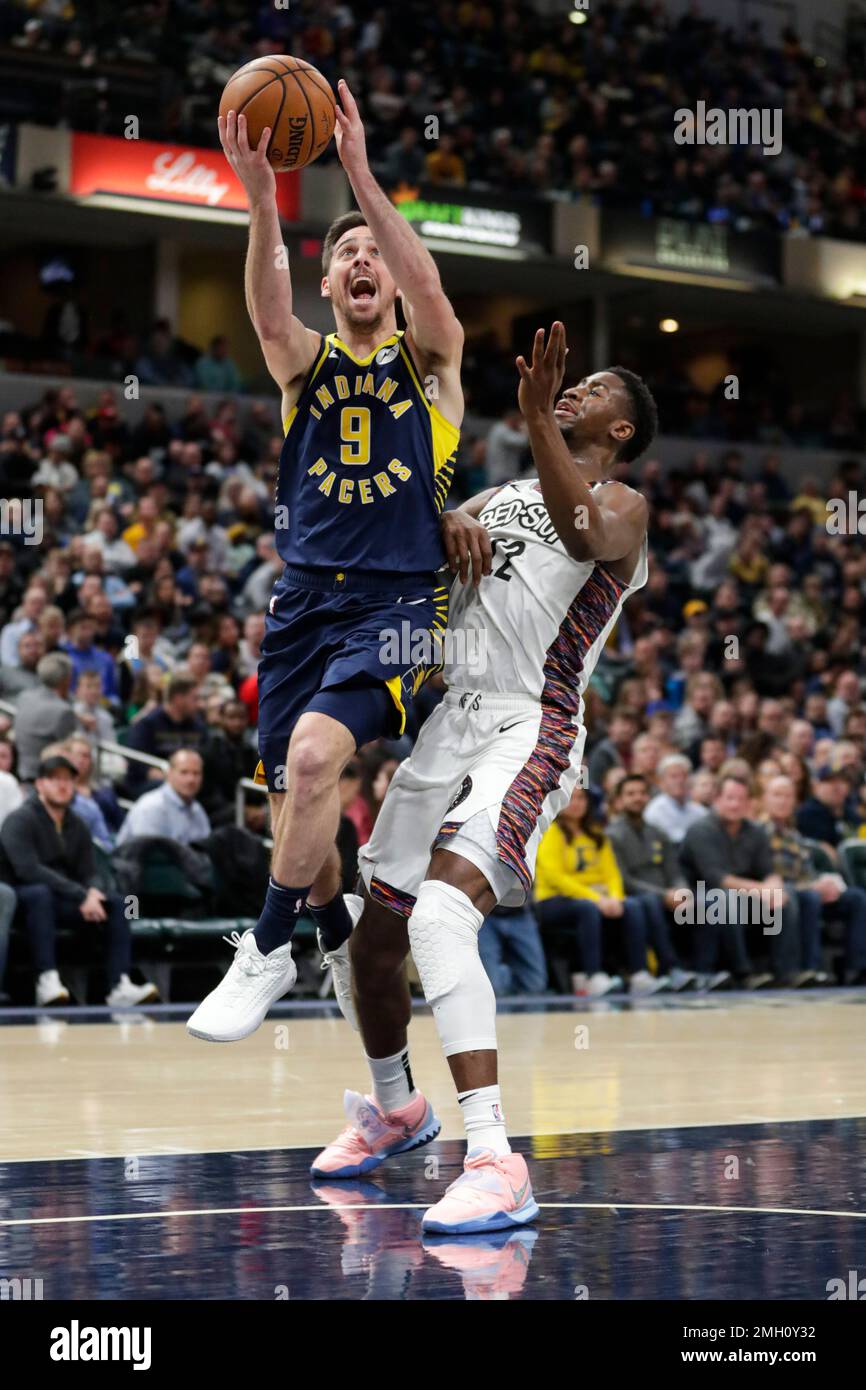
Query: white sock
(393, 1086)
(483, 1119)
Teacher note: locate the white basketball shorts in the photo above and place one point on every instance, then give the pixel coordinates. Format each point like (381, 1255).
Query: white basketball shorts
(486, 778)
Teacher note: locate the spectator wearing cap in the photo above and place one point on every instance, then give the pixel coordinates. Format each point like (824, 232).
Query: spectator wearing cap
(671, 810)
(816, 897)
(47, 854)
(46, 716)
(15, 680)
(726, 851)
(822, 816)
(79, 647)
(26, 620)
(172, 809)
(172, 725)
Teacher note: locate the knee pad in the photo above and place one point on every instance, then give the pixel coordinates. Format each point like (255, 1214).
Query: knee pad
(443, 935)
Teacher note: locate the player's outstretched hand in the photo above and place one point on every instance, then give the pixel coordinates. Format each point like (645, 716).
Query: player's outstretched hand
(349, 132)
(467, 545)
(250, 164)
(540, 382)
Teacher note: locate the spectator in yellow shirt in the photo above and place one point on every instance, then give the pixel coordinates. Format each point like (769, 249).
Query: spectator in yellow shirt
(578, 886)
(444, 165)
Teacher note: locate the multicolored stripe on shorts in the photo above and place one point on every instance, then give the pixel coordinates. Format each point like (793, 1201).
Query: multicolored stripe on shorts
(542, 772)
(392, 898)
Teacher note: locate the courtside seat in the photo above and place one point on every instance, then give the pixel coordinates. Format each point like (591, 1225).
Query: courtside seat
(852, 858)
(172, 943)
(822, 863)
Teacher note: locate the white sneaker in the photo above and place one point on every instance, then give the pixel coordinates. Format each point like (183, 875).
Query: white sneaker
(682, 979)
(125, 994)
(642, 982)
(339, 964)
(243, 996)
(602, 983)
(50, 989)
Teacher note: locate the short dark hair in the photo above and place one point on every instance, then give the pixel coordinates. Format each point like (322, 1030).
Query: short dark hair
(342, 224)
(644, 414)
(632, 777)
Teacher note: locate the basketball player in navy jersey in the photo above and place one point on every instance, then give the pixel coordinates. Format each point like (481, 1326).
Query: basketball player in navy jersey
(364, 473)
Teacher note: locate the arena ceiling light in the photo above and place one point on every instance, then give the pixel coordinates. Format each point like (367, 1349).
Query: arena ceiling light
(669, 325)
(578, 16)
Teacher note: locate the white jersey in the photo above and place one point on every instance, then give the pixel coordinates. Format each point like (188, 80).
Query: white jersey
(536, 625)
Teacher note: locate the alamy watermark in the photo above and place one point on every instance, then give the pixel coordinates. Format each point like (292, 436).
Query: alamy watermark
(720, 907)
(737, 126)
(22, 517)
(456, 646)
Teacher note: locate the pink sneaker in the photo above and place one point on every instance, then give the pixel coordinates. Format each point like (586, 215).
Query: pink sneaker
(494, 1265)
(493, 1193)
(370, 1137)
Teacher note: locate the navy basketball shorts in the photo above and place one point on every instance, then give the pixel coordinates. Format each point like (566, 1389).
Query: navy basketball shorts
(354, 646)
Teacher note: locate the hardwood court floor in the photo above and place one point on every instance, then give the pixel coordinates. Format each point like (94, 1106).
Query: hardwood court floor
(680, 1149)
(143, 1086)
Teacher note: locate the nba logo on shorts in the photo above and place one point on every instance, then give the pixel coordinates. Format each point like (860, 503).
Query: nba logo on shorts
(497, 1112)
(272, 605)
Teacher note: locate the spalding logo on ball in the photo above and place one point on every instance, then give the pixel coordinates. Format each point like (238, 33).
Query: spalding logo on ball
(291, 97)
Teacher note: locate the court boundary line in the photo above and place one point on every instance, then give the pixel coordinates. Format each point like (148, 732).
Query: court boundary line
(612, 1207)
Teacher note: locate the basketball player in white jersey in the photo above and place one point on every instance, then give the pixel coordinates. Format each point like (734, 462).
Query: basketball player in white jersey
(492, 767)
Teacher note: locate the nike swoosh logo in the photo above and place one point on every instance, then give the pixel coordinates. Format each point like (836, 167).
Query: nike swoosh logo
(519, 1196)
(503, 728)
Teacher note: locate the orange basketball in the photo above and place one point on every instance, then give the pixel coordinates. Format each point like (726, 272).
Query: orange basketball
(291, 97)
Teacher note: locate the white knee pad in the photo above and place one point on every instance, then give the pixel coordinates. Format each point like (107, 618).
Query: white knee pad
(443, 934)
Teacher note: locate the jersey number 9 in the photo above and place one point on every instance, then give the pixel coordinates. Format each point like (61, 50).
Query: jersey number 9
(355, 435)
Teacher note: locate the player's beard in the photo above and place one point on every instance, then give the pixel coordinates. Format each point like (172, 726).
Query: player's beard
(367, 325)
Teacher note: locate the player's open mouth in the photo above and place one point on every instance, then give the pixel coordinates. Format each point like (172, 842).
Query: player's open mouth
(565, 407)
(363, 288)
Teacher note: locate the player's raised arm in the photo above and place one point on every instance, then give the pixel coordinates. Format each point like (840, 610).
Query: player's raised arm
(606, 529)
(288, 346)
(432, 323)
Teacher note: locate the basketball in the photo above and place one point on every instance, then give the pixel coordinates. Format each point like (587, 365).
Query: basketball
(291, 97)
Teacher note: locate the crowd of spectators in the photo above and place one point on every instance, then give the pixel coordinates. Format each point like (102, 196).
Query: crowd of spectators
(524, 101)
(726, 717)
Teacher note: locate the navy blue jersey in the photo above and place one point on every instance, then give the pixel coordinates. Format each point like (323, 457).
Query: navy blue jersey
(366, 465)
